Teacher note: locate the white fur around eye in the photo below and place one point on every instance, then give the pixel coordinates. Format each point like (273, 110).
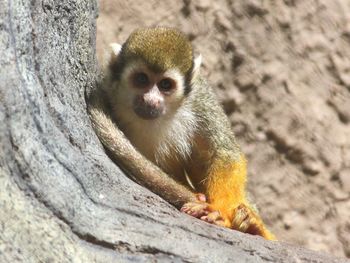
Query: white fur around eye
(131, 68)
(175, 75)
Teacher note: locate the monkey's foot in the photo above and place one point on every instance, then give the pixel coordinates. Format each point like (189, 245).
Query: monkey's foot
(247, 221)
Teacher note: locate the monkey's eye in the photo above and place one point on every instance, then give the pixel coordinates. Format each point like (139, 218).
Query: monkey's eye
(141, 79)
(165, 85)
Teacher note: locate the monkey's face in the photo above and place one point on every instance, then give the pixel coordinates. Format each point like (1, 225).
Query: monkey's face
(151, 95)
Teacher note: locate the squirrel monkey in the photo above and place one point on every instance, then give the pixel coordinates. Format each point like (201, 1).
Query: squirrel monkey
(161, 122)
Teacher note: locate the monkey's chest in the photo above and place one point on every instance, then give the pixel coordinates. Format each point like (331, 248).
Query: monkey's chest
(162, 152)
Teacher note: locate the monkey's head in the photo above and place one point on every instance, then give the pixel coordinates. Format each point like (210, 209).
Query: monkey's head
(153, 72)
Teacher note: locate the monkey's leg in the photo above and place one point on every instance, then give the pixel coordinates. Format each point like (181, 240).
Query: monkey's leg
(226, 193)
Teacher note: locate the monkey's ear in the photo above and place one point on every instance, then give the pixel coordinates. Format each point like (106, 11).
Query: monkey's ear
(197, 62)
(111, 55)
(116, 48)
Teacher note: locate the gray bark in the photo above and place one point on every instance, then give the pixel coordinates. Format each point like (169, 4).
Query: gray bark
(61, 198)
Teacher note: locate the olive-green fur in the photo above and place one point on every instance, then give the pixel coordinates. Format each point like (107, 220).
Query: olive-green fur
(161, 48)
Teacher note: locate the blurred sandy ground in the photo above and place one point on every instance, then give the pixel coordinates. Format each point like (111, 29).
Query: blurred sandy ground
(282, 72)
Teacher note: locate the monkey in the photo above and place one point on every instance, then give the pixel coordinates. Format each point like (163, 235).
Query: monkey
(161, 122)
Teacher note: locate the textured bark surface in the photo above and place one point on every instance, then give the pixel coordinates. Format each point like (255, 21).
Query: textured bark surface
(61, 198)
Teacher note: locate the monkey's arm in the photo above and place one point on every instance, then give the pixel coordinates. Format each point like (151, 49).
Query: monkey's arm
(223, 178)
(226, 191)
(138, 167)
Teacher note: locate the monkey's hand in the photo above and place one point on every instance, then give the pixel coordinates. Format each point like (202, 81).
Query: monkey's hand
(197, 208)
(247, 221)
(201, 209)
(214, 217)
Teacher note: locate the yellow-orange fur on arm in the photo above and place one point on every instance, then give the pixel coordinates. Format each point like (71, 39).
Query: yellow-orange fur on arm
(226, 193)
(226, 186)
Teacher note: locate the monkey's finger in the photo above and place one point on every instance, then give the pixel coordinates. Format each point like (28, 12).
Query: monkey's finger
(212, 217)
(195, 209)
(201, 197)
(241, 218)
(220, 223)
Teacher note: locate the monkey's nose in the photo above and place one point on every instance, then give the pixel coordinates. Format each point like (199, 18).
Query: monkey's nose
(148, 109)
